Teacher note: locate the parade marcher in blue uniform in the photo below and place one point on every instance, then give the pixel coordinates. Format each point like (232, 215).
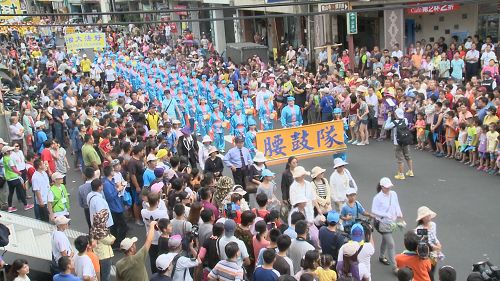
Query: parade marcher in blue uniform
(203, 87)
(169, 105)
(337, 115)
(211, 91)
(222, 90)
(267, 114)
(192, 109)
(218, 121)
(233, 99)
(238, 123)
(291, 115)
(203, 117)
(250, 136)
(181, 103)
(247, 104)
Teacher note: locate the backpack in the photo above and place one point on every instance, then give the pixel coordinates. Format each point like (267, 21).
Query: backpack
(403, 134)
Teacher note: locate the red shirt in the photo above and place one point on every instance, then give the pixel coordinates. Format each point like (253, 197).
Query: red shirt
(47, 156)
(105, 145)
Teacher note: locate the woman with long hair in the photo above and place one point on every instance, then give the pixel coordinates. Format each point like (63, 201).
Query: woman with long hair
(19, 270)
(287, 179)
(194, 213)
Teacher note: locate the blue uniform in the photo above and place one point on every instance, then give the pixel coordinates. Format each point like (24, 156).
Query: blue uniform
(218, 130)
(238, 125)
(203, 118)
(265, 111)
(291, 117)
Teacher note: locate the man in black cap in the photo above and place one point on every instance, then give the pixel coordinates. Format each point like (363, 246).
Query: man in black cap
(238, 159)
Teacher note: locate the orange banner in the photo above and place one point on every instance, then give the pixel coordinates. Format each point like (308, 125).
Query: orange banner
(304, 141)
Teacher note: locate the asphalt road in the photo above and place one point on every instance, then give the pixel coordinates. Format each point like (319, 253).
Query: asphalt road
(464, 199)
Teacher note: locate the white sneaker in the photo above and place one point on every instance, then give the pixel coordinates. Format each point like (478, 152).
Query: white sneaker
(360, 143)
(354, 142)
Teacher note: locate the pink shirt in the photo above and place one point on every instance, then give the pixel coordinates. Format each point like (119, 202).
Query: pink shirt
(492, 69)
(257, 245)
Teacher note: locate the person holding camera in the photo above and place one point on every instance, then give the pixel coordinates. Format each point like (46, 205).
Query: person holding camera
(416, 257)
(182, 263)
(426, 229)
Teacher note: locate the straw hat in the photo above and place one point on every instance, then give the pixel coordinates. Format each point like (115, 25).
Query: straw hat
(212, 150)
(206, 138)
(300, 171)
(259, 157)
(423, 212)
(316, 171)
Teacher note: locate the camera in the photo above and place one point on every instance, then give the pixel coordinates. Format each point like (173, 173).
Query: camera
(488, 271)
(422, 232)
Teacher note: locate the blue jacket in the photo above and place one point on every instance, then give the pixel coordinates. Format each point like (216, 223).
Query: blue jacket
(111, 194)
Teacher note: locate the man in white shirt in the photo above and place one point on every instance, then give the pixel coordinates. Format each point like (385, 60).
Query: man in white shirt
(397, 52)
(153, 213)
(60, 242)
(488, 55)
(229, 228)
(471, 62)
(290, 54)
(41, 184)
(97, 201)
(83, 264)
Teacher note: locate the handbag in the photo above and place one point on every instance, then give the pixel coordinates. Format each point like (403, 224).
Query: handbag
(127, 198)
(384, 227)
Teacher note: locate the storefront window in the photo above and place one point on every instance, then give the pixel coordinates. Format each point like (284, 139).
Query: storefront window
(488, 24)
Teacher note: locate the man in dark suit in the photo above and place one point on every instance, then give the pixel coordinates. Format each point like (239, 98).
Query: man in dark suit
(188, 146)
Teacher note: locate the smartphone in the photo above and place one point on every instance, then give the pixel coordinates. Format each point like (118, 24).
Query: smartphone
(271, 225)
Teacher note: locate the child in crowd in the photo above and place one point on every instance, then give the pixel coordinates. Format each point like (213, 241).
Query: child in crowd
(325, 271)
(420, 127)
(482, 149)
(462, 139)
(491, 146)
(450, 133)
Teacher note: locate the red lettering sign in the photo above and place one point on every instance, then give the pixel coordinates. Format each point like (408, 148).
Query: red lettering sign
(433, 9)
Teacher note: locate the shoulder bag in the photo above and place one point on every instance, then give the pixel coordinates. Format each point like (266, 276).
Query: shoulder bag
(384, 227)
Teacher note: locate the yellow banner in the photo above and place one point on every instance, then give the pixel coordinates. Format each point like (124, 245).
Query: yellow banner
(9, 7)
(305, 141)
(76, 41)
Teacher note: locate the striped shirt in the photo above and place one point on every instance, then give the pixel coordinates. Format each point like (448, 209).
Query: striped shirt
(226, 270)
(321, 187)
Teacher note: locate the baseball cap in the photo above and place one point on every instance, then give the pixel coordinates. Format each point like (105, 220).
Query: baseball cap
(386, 182)
(115, 162)
(332, 216)
(151, 157)
(174, 241)
(127, 243)
(3, 142)
(57, 175)
(163, 261)
(60, 220)
(351, 191)
(357, 232)
(229, 227)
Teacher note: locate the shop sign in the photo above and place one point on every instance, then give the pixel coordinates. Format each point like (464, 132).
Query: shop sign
(181, 7)
(9, 7)
(352, 23)
(433, 9)
(334, 7)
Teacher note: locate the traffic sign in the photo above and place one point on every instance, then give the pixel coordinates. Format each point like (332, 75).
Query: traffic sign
(352, 23)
